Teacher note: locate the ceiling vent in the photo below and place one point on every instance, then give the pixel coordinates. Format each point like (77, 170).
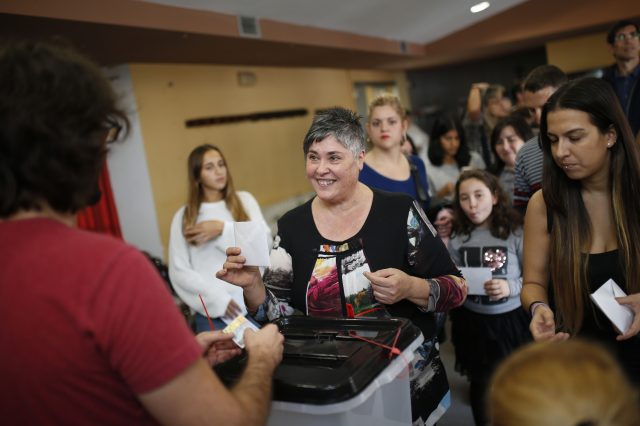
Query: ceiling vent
(249, 26)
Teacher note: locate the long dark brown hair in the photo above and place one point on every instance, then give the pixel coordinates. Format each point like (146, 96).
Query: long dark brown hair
(504, 219)
(571, 233)
(196, 193)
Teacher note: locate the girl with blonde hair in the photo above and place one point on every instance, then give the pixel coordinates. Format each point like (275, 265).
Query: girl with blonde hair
(386, 167)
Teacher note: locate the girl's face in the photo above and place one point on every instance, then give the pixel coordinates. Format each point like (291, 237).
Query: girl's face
(450, 143)
(213, 174)
(508, 145)
(385, 127)
(476, 201)
(577, 146)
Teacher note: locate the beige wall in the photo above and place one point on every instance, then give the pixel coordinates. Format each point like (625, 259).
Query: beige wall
(580, 53)
(265, 157)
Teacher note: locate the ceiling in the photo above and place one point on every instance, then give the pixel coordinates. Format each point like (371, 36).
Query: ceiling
(417, 21)
(378, 34)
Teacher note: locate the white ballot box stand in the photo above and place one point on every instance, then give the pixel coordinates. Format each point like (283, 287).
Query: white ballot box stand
(386, 401)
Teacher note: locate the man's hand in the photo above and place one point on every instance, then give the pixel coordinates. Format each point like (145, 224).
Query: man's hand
(266, 344)
(217, 346)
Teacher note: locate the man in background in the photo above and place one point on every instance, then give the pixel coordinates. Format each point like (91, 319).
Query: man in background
(624, 76)
(539, 85)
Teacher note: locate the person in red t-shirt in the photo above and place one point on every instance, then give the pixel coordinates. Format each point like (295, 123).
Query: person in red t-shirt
(89, 333)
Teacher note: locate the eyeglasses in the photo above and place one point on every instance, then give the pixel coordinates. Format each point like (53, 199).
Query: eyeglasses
(624, 36)
(112, 130)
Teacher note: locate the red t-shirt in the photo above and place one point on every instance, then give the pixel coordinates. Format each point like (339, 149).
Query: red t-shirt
(86, 324)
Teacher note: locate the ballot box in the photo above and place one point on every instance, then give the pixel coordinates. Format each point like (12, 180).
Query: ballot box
(340, 372)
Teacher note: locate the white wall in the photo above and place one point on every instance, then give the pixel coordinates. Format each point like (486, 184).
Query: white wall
(130, 175)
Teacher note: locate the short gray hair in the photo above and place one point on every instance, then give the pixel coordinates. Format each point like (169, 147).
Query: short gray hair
(342, 124)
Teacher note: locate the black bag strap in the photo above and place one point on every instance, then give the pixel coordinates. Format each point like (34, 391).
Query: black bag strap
(420, 190)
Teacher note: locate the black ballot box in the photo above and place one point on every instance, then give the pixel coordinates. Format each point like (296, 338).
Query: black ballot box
(340, 371)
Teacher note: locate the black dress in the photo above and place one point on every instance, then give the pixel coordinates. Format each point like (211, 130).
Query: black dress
(319, 277)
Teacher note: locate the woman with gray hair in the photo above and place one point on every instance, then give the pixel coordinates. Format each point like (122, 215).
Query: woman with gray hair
(353, 251)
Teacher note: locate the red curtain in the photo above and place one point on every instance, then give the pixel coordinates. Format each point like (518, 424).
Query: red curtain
(103, 216)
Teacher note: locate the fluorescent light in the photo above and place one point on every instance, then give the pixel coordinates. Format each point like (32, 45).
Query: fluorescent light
(480, 7)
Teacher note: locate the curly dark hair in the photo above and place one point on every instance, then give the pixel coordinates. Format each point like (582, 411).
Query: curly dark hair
(56, 110)
(504, 219)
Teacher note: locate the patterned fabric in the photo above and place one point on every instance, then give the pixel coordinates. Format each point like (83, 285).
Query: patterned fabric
(528, 171)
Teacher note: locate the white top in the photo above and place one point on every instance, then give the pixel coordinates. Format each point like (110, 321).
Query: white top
(192, 269)
(439, 176)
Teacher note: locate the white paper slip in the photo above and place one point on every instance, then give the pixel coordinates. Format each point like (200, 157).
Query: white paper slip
(621, 316)
(252, 240)
(237, 327)
(476, 277)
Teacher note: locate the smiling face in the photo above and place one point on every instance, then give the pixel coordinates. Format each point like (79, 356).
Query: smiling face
(476, 201)
(213, 174)
(508, 145)
(577, 146)
(385, 127)
(332, 170)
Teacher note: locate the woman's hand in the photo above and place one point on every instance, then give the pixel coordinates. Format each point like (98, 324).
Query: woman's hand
(543, 325)
(202, 232)
(446, 190)
(391, 285)
(217, 346)
(233, 309)
(632, 301)
(235, 272)
(497, 289)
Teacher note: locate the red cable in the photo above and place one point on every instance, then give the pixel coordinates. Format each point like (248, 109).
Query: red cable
(393, 350)
(206, 312)
(395, 340)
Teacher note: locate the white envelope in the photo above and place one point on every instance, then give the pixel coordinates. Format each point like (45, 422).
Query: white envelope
(251, 237)
(621, 316)
(476, 277)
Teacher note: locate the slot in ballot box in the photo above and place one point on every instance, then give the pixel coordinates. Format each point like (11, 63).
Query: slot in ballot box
(330, 377)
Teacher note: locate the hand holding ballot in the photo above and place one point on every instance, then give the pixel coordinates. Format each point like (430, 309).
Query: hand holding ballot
(235, 271)
(622, 310)
(482, 283)
(633, 303)
(251, 240)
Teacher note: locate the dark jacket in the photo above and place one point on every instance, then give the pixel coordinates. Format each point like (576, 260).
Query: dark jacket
(632, 108)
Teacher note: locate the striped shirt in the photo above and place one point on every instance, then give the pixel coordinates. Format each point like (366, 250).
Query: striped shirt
(528, 173)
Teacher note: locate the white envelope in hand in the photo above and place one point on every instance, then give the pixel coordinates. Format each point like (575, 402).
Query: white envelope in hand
(251, 237)
(476, 277)
(621, 316)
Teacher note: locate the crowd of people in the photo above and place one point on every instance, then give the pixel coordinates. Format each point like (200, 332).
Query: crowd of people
(539, 190)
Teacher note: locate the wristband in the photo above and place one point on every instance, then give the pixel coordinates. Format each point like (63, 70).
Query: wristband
(534, 305)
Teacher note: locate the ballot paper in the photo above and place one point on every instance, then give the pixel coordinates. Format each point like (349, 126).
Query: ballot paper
(252, 240)
(237, 327)
(476, 277)
(621, 316)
